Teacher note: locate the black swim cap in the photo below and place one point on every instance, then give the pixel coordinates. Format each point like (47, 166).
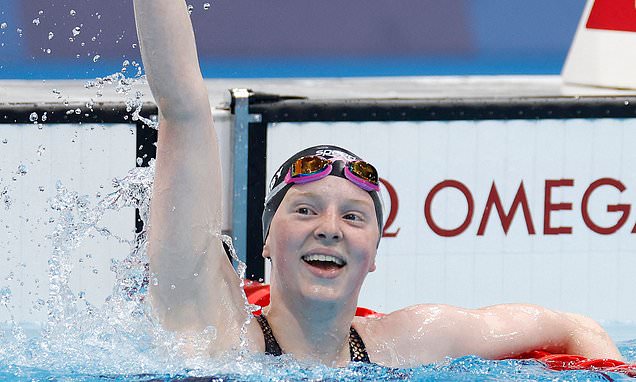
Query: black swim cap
(272, 202)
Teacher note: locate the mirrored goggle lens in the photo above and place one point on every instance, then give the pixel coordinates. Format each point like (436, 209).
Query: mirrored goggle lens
(364, 170)
(308, 165)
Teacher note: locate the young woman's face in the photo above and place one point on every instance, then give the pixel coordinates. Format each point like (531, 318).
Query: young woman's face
(322, 240)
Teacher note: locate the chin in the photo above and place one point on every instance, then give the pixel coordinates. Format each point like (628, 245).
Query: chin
(328, 294)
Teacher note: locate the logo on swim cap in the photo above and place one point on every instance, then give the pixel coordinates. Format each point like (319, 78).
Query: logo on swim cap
(274, 180)
(336, 154)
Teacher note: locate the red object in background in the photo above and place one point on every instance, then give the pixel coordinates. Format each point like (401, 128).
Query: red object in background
(576, 362)
(615, 15)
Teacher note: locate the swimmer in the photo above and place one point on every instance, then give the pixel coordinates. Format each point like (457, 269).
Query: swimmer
(322, 225)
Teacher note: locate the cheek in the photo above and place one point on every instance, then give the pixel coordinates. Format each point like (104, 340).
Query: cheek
(368, 247)
(282, 245)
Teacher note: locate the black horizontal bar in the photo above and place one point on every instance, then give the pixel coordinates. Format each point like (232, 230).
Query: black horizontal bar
(100, 112)
(358, 110)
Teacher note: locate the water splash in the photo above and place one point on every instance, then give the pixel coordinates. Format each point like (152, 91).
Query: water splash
(128, 87)
(121, 336)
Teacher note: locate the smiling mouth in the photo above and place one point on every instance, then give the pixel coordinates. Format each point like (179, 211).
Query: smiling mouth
(324, 261)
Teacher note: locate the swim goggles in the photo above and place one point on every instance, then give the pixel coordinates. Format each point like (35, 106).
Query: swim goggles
(314, 167)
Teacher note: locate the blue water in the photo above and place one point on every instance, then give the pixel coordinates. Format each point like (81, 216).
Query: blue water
(112, 348)
(462, 369)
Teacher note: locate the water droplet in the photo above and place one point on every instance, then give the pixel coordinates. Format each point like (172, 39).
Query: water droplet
(5, 141)
(19, 30)
(48, 51)
(33, 117)
(36, 21)
(76, 31)
(41, 188)
(40, 12)
(626, 103)
(173, 287)
(134, 46)
(71, 39)
(51, 35)
(72, 12)
(78, 111)
(44, 117)
(95, 271)
(22, 169)
(206, 6)
(3, 26)
(5, 296)
(139, 161)
(190, 9)
(96, 58)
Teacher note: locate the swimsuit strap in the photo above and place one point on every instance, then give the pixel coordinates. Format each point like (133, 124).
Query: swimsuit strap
(357, 350)
(356, 347)
(271, 345)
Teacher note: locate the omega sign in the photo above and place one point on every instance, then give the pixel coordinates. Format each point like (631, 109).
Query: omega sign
(495, 211)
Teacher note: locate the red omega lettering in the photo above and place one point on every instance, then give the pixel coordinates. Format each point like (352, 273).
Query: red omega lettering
(429, 201)
(394, 209)
(506, 219)
(624, 208)
(549, 206)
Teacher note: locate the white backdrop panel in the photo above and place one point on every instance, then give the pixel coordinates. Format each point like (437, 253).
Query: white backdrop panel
(581, 270)
(84, 158)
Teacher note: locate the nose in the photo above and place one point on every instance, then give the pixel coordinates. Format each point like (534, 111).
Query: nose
(328, 228)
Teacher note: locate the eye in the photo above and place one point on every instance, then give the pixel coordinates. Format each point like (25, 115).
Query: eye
(303, 211)
(353, 216)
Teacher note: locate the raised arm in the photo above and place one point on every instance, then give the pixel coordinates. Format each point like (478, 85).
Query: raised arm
(195, 285)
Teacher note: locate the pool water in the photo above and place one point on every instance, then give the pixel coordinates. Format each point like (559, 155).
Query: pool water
(262, 368)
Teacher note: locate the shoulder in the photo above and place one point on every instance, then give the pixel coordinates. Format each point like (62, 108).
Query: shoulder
(411, 336)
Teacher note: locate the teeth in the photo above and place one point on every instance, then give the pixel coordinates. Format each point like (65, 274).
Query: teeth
(330, 258)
